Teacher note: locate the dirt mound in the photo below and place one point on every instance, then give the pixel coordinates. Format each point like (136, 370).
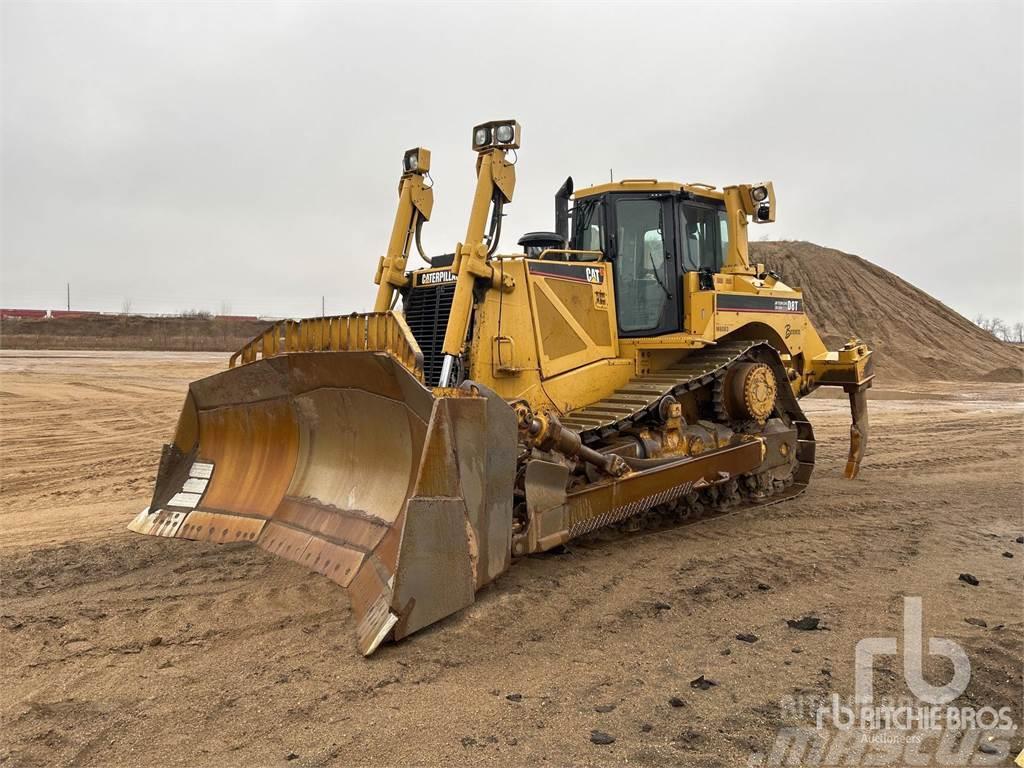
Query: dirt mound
(1005, 375)
(915, 336)
(186, 334)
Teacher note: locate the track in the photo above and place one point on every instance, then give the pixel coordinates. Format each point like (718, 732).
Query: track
(637, 403)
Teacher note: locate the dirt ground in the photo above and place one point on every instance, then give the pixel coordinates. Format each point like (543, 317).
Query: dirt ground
(197, 332)
(124, 650)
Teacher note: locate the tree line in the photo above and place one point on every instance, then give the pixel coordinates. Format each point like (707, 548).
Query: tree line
(1000, 329)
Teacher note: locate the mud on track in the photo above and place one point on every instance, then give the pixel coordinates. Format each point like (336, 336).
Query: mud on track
(121, 650)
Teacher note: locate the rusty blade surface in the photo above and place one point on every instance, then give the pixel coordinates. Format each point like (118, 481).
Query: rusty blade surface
(344, 463)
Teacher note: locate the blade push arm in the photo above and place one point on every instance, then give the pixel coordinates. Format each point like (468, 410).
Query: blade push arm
(415, 201)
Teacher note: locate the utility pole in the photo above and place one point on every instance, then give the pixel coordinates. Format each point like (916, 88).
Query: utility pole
(69, 297)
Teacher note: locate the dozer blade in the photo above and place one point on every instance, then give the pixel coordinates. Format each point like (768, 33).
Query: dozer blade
(858, 428)
(345, 463)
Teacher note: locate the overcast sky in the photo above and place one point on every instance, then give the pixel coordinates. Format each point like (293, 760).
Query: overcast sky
(246, 156)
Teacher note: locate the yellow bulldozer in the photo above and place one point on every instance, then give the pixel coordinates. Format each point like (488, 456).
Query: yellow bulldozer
(630, 368)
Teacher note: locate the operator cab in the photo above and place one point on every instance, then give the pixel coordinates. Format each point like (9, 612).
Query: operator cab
(653, 233)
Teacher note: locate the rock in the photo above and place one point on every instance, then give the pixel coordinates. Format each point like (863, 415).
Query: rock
(762, 586)
(676, 702)
(1019, 539)
(798, 650)
(600, 737)
(688, 740)
(746, 637)
(805, 623)
(977, 622)
(78, 645)
(515, 697)
(512, 742)
(646, 728)
(468, 741)
(166, 664)
(292, 756)
(604, 708)
(1008, 554)
(130, 649)
(725, 652)
(491, 739)
(968, 578)
(155, 641)
(660, 606)
(988, 749)
(702, 683)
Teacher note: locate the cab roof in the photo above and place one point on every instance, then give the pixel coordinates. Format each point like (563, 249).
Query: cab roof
(651, 185)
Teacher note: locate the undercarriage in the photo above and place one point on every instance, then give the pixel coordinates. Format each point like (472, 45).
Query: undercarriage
(718, 431)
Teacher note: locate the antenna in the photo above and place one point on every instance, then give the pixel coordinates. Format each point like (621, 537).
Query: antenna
(611, 176)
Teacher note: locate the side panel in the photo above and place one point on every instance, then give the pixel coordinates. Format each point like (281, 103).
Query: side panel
(506, 359)
(698, 306)
(573, 313)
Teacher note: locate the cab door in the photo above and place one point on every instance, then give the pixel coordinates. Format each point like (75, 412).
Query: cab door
(642, 242)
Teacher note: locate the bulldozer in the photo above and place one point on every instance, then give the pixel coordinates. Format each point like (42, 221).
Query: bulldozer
(631, 368)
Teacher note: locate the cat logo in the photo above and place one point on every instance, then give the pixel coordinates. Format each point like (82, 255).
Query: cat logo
(595, 275)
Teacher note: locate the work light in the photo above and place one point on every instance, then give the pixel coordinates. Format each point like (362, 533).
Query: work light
(760, 194)
(504, 134)
(416, 161)
(500, 134)
(481, 137)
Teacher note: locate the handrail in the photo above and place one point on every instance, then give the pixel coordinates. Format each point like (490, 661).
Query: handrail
(570, 251)
(369, 332)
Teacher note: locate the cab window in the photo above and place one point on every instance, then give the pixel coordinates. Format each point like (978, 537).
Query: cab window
(641, 268)
(588, 233)
(702, 238)
(723, 237)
